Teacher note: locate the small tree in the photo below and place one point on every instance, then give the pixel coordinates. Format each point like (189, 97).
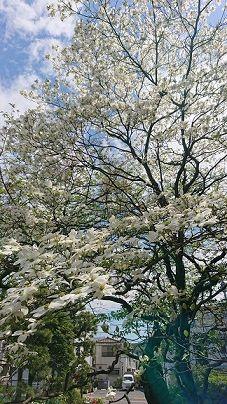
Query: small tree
(55, 354)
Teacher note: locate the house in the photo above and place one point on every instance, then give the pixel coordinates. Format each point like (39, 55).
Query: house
(105, 354)
(213, 318)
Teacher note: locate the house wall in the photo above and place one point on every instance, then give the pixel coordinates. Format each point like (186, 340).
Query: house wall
(124, 365)
(202, 324)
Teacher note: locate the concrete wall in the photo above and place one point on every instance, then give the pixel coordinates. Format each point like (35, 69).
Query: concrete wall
(124, 365)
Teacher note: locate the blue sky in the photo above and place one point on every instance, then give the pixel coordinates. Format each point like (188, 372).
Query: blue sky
(26, 34)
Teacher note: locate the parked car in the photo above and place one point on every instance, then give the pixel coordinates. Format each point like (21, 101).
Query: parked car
(127, 381)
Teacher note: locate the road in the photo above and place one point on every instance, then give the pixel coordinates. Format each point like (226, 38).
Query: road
(136, 397)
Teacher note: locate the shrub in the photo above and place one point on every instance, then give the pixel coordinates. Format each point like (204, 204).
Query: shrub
(6, 392)
(117, 384)
(97, 401)
(217, 385)
(71, 397)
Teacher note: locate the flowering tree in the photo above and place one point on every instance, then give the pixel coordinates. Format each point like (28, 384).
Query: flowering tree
(122, 175)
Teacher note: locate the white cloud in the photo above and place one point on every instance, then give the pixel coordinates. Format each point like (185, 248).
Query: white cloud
(29, 21)
(101, 306)
(37, 51)
(41, 47)
(12, 95)
(33, 19)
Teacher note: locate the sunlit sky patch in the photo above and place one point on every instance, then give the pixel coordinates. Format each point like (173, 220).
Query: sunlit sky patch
(27, 34)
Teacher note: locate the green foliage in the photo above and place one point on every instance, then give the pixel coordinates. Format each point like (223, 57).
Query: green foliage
(71, 397)
(61, 346)
(6, 392)
(218, 378)
(176, 394)
(95, 400)
(217, 386)
(199, 372)
(54, 360)
(217, 383)
(117, 384)
(39, 363)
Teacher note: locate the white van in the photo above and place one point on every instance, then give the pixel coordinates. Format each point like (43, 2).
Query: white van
(127, 381)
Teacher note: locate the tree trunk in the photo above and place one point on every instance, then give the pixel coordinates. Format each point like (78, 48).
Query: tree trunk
(206, 384)
(18, 393)
(182, 334)
(31, 379)
(186, 382)
(155, 387)
(182, 360)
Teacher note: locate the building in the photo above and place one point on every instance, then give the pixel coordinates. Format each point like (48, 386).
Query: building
(104, 356)
(213, 318)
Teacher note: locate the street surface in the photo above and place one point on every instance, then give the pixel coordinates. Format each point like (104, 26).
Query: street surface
(136, 397)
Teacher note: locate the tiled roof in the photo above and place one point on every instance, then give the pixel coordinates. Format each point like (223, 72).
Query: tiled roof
(108, 341)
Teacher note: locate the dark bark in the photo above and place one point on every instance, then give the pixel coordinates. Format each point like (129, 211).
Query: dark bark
(182, 360)
(155, 387)
(18, 393)
(30, 378)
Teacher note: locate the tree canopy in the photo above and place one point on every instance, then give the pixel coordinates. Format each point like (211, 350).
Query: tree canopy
(114, 187)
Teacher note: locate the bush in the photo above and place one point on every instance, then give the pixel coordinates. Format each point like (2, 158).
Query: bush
(217, 389)
(117, 384)
(6, 393)
(72, 397)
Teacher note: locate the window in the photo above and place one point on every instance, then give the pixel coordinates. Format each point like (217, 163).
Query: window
(115, 372)
(128, 378)
(108, 351)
